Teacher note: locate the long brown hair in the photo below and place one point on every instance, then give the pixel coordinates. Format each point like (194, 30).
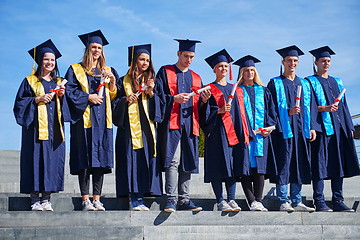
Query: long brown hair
(134, 73)
(256, 77)
(87, 61)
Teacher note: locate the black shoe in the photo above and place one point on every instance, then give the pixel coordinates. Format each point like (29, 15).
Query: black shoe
(189, 206)
(341, 207)
(322, 207)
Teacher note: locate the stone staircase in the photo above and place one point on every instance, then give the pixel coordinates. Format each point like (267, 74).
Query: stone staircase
(69, 222)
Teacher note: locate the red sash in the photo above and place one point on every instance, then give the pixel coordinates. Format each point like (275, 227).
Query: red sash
(240, 96)
(226, 117)
(175, 111)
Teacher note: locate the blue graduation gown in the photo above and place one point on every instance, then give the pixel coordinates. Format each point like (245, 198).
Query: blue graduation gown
(293, 154)
(137, 171)
(335, 156)
(265, 164)
(168, 139)
(89, 147)
(41, 161)
(221, 160)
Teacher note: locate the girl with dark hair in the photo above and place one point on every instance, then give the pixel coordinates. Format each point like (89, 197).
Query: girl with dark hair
(136, 109)
(91, 87)
(38, 109)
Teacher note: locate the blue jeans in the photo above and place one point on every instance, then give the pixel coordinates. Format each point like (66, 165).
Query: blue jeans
(295, 193)
(230, 185)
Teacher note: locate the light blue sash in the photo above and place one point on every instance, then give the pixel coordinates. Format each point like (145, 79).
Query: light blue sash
(320, 96)
(283, 108)
(256, 148)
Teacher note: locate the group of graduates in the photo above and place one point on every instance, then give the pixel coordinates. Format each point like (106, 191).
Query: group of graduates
(294, 131)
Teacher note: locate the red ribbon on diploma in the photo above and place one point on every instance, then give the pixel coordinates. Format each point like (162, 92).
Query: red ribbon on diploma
(101, 85)
(195, 90)
(337, 100)
(54, 90)
(297, 98)
(231, 96)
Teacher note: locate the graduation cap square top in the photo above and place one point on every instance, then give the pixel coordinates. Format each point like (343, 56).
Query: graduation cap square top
(247, 61)
(37, 53)
(187, 45)
(93, 37)
(322, 52)
(292, 51)
(134, 51)
(221, 56)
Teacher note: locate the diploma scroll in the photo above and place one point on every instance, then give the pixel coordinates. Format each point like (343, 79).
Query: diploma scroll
(271, 128)
(194, 92)
(298, 96)
(338, 99)
(232, 94)
(53, 91)
(142, 88)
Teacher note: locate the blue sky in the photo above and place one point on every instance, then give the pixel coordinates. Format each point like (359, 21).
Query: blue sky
(242, 27)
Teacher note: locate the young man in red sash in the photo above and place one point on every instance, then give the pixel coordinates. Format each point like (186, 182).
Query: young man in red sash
(179, 131)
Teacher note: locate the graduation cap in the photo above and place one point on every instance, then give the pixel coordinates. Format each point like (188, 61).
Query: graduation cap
(187, 45)
(221, 56)
(290, 51)
(134, 51)
(322, 52)
(93, 37)
(247, 61)
(37, 53)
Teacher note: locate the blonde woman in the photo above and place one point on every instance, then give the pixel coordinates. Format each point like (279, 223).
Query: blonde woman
(261, 112)
(91, 142)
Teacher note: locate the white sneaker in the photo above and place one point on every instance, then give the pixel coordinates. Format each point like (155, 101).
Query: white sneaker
(143, 207)
(303, 208)
(37, 207)
(257, 206)
(235, 207)
(286, 207)
(224, 206)
(87, 206)
(98, 205)
(46, 205)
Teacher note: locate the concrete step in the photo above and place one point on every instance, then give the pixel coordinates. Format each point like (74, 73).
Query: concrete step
(179, 225)
(68, 202)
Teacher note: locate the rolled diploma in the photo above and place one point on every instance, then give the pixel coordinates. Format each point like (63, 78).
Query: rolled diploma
(233, 91)
(338, 99)
(57, 87)
(265, 129)
(101, 90)
(298, 95)
(199, 91)
(143, 87)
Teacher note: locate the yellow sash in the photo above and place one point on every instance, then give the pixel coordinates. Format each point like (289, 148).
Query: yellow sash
(134, 117)
(82, 78)
(38, 89)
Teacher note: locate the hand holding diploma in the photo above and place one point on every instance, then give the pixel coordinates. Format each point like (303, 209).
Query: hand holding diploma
(198, 91)
(142, 89)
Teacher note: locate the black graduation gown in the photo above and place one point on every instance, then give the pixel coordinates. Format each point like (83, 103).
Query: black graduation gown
(41, 161)
(89, 147)
(137, 171)
(168, 139)
(266, 164)
(293, 154)
(221, 160)
(335, 156)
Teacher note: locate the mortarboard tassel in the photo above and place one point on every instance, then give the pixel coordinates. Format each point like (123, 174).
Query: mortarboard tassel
(34, 63)
(314, 68)
(280, 69)
(230, 73)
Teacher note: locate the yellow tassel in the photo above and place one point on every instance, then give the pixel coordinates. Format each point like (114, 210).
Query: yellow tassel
(34, 63)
